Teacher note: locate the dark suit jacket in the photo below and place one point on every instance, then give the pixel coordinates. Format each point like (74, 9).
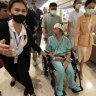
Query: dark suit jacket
(30, 20)
(25, 55)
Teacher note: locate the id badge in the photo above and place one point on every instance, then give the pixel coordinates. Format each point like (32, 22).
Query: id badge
(16, 59)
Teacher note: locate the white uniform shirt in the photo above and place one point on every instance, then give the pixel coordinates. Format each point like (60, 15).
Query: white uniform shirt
(13, 43)
(73, 19)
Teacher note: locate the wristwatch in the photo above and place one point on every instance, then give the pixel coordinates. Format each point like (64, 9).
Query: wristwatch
(54, 58)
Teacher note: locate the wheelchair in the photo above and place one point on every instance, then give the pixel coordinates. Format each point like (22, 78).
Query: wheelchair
(49, 71)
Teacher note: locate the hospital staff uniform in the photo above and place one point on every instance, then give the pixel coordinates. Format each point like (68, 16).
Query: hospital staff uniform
(73, 19)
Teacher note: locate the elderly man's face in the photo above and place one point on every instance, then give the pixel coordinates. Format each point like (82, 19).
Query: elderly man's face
(45, 9)
(56, 31)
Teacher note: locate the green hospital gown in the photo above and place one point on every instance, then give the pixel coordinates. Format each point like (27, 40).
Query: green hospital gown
(61, 48)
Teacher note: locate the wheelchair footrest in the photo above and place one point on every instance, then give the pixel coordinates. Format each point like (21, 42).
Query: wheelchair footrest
(77, 91)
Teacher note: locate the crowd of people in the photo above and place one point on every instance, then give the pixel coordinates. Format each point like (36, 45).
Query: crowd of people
(19, 23)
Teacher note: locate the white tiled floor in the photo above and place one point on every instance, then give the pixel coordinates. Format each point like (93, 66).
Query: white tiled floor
(42, 84)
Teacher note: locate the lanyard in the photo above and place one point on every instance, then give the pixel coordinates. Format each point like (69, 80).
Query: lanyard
(17, 41)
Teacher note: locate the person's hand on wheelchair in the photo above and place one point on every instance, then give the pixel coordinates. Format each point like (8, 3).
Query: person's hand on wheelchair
(50, 55)
(44, 53)
(59, 59)
(74, 48)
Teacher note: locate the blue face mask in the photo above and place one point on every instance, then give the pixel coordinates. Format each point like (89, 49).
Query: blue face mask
(53, 12)
(90, 11)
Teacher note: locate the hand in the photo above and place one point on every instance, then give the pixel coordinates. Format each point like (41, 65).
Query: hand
(44, 54)
(51, 55)
(8, 52)
(4, 49)
(3, 46)
(65, 64)
(41, 17)
(59, 59)
(74, 48)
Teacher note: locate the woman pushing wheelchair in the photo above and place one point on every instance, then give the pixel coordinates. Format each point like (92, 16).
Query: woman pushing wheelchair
(58, 46)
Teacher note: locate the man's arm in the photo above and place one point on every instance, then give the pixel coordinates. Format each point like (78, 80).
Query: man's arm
(68, 57)
(44, 33)
(44, 27)
(68, 53)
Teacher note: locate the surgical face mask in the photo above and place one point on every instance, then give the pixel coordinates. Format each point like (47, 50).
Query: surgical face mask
(90, 11)
(78, 6)
(53, 12)
(19, 18)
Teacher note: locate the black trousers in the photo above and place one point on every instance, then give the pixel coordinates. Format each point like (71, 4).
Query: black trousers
(39, 36)
(20, 72)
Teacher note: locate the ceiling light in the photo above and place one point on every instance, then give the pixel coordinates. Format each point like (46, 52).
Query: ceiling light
(59, 2)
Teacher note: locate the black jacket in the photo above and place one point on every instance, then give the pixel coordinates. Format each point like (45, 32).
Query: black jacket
(25, 55)
(30, 20)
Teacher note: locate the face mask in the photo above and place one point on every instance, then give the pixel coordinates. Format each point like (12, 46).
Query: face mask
(78, 6)
(53, 12)
(90, 11)
(19, 18)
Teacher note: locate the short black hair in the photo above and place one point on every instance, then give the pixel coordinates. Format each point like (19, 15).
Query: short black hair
(53, 4)
(3, 4)
(74, 3)
(88, 2)
(16, 1)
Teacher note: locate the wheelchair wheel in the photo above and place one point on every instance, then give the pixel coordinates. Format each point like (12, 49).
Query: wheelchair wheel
(0, 93)
(45, 66)
(53, 79)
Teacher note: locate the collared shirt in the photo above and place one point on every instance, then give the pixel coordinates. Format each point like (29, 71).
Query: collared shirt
(61, 48)
(23, 40)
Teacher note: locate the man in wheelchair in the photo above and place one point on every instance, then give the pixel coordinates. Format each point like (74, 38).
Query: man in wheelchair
(58, 46)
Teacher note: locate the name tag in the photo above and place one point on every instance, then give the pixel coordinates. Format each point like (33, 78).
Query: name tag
(16, 59)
